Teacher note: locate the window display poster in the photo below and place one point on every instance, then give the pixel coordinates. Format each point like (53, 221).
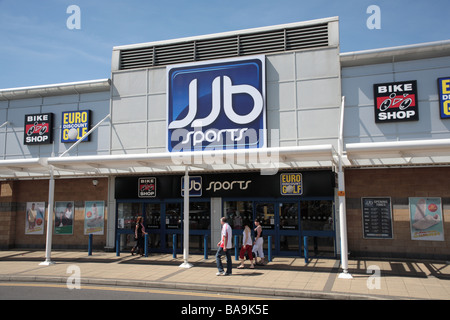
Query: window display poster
(94, 213)
(426, 219)
(64, 213)
(34, 218)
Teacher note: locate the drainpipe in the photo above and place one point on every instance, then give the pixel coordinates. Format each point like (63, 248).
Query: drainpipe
(342, 205)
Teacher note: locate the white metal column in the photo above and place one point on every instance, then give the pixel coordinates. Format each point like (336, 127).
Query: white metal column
(342, 205)
(186, 263)
(48, 244)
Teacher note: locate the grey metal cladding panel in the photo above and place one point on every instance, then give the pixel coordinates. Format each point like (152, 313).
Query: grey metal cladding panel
(320, 93)
(280, 67)
(358, 91)
(303, 97)
(128, 136)
(64, 99)
(2, 143)
(157, 80)
(129, 109)
(357, 86)
(156, 107)
(318, 124)
(319, 63)
(156, 134)
(129, 83)
(16, 117)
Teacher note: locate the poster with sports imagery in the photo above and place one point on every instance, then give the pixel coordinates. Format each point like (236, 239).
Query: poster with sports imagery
(64, 214)
(34, 218)
(426, 219)
(94, 213)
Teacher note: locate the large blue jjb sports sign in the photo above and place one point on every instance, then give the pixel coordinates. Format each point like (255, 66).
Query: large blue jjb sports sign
(216, 105)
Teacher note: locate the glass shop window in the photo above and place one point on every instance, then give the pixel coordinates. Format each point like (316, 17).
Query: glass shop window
(317, 215)
(239, 212)
(153, 216)
(127, 214)
(173, 216)
(199, 215)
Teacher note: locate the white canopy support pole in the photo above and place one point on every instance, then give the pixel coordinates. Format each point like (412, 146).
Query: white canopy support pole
(186, 263)
(85, 135)
(48, 244)
(342, 205)
(4, 124)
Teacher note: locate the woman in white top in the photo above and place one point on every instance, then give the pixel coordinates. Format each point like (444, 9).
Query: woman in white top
(246, 247)
(258, 245)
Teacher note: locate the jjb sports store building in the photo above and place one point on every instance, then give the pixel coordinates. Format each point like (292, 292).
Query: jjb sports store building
(256, 121)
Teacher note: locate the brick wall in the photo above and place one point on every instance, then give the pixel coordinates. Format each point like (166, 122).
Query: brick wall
(399, 184)
(15, 194)
(7, 212)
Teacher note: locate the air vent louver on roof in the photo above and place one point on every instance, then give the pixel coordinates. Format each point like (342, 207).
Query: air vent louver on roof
(286, 39)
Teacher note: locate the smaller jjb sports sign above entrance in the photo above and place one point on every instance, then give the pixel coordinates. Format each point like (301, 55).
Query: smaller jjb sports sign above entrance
(396, 101)
(236, 185)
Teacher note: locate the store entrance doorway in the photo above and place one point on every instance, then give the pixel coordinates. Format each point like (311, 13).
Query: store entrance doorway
(287, 222)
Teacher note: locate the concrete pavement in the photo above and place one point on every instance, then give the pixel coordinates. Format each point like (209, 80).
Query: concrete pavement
(283, 277)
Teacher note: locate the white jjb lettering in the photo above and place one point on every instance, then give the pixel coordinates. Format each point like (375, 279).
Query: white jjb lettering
(228, 91)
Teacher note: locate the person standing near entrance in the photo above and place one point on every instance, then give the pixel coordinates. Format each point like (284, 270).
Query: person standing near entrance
(139, 233)
(224, 248)
(258, 244)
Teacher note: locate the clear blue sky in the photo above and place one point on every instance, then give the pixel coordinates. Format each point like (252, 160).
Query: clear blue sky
(37, 47)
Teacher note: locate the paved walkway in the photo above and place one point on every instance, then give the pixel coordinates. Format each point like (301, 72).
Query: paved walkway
(282, 277)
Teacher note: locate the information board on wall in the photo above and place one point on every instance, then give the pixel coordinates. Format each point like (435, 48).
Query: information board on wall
(377, 218)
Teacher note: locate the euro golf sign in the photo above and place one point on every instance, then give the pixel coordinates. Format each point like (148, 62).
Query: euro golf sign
(216, 105)
(75, 124)
(444, 97)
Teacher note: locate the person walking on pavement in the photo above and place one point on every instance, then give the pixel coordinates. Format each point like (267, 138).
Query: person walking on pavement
(224, 248)
(139, 232)
(246, 247)
(258, 245)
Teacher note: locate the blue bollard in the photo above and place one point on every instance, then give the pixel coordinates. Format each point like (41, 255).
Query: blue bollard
(118, 245)
(146, 245)
(269, 248)
(90, 244)
(236, 253)
(205, 246)
(305, 248)
(174, 245)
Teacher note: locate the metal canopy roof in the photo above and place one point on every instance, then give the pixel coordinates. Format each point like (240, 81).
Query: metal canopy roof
(266, 160)
(55, 89)
(392, 153)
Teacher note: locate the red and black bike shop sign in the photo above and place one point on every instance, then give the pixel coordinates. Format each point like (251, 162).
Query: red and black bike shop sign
(38, 128)
(396, 101)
